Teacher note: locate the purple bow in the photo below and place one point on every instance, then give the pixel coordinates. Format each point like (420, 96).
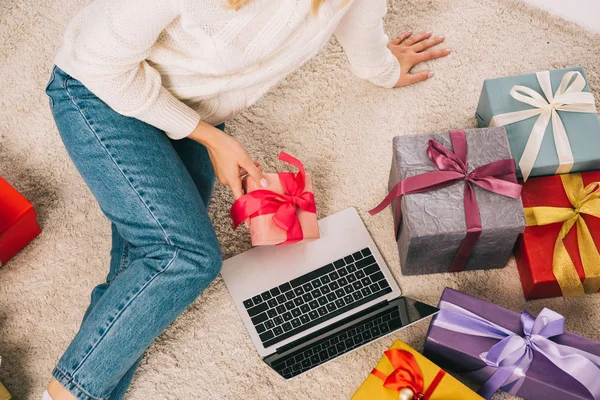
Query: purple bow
(497, 177)
(511, 357)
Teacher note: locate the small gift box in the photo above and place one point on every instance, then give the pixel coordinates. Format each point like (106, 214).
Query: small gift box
(18, 223)
(558, 251)
(284, 212)
(455, 200)
(404, 373)
(550, 120)
(4, 395)
(527, 356)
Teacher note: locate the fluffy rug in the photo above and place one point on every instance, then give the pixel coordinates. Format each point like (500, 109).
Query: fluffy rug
(340, 126)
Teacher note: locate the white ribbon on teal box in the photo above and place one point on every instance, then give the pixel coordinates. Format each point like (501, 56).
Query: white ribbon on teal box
(550, 120)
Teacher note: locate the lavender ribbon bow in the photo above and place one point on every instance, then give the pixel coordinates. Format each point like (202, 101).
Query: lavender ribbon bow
(512, 356)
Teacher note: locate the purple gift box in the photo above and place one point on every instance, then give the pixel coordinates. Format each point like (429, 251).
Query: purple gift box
(493, 344)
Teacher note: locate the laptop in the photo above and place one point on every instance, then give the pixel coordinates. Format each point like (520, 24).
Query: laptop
(311, 302)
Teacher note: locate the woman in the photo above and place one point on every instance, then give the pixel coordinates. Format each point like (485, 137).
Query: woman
(140, 91)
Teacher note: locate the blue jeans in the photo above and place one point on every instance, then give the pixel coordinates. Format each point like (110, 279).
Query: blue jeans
(164, 249)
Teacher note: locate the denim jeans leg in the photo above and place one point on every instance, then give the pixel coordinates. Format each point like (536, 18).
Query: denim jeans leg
(197, 162)
(145, 190)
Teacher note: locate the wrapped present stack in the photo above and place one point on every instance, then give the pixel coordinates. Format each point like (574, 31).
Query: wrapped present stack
(18, 222)
(457, 205)
(552, 127)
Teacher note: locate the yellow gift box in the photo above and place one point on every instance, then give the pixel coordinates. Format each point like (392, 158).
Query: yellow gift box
(404, 373)
(4, 395)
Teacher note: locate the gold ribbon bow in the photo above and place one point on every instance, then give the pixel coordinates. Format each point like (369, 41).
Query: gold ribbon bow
(585, 200)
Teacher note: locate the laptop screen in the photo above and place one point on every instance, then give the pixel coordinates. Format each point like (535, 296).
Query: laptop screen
(346, 335)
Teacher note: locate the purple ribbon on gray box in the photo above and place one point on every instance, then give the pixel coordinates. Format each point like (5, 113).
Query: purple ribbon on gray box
(510, 358)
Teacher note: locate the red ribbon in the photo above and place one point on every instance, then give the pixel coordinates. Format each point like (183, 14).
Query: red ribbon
(282, 206)
(497, 177)
(407, 375)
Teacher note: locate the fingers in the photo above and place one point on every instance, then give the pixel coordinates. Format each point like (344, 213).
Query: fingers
(417, 38)
(432, 54)
(409, 79)
(244, 172)
(253, 170)
(236, 187)
(425, 44)
(400, 38)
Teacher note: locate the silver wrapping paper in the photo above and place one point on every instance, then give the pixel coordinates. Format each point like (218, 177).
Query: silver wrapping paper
(432, 224)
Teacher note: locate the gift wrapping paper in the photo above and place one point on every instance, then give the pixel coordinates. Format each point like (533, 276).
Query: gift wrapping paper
(446, 386)
(283, 212)
(457, 348)
(576, 114)
(540, 268)
(263, 229)
(432, 226)
(4, 395)
(18, 222)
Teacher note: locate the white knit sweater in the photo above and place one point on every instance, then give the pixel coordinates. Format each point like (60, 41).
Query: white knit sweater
(172, 63)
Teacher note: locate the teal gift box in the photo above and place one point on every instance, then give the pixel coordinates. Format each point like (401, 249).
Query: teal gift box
(550, 120)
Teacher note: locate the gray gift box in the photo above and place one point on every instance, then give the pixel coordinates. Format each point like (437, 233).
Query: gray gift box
(431, 225)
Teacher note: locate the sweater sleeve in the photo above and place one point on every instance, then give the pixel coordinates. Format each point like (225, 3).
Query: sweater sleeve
(109, 56)
(361, 34)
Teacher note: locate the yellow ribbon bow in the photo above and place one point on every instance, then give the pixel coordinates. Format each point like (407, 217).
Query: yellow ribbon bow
(585, 200)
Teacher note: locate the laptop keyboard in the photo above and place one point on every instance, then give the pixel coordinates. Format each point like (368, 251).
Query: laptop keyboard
(333, 346)
(304, 302)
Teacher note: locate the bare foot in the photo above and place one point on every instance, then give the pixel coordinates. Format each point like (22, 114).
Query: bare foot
(57, 392)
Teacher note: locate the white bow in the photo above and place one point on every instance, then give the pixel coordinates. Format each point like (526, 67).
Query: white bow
(568, 97)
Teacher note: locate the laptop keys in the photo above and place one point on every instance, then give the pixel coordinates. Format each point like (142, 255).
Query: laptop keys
(310, 299)
(259, 318)
(258, 309)
(266, 335)
(285, 287)
(265, 295)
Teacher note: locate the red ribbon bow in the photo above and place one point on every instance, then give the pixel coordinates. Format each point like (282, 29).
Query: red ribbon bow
(497, 177)
(407, 375)
(282, 206)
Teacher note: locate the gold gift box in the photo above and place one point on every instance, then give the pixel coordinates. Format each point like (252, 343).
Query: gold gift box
(448, 388)
(4, 395)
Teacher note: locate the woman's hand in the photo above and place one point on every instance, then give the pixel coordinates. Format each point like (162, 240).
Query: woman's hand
(412, 50)
(228, 157)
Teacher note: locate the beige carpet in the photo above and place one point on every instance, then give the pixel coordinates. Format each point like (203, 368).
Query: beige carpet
(340, 126)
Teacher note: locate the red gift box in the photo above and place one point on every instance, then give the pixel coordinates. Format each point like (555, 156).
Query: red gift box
(535, 247)
(18, 223)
